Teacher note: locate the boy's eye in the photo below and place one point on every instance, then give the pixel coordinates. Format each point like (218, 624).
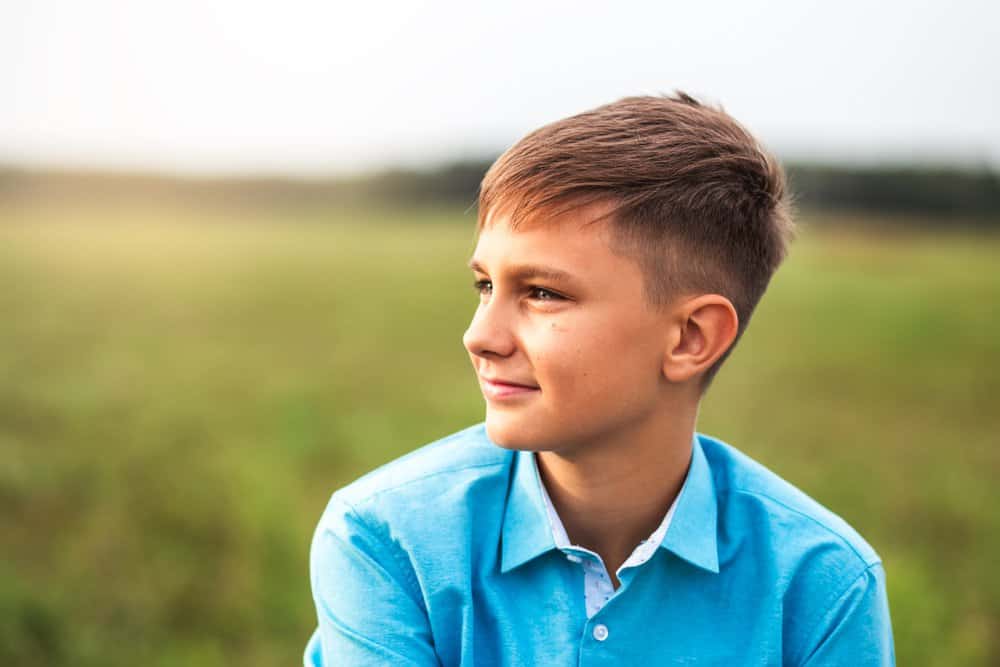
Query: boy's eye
(485, 288)
(542, 294)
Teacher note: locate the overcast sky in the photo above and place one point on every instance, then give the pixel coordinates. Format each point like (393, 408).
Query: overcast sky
(297, 86)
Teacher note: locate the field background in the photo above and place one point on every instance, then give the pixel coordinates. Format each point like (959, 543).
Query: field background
(182, 388)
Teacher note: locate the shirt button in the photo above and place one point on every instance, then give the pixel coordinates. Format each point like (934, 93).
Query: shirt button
(600, 632)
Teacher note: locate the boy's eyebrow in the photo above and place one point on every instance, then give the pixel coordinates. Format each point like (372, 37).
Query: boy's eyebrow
(527, 271)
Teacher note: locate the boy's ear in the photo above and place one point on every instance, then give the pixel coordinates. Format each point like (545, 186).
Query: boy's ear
(701, 330)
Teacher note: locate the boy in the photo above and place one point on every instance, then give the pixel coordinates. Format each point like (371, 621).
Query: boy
(620, 254)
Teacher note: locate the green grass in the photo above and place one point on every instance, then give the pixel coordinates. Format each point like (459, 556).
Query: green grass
(182, 389)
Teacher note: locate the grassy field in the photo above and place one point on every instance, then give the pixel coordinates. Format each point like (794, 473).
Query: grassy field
(181, 390)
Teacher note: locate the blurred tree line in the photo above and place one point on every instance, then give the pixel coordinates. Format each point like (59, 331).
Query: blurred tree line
(941, 194)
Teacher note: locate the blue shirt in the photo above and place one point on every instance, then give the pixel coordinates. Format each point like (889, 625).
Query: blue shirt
(446, 556)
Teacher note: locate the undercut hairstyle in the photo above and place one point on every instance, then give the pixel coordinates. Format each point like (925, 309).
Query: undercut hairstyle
(690, 194)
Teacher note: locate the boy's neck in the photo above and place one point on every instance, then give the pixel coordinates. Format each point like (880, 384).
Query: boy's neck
(612, 495)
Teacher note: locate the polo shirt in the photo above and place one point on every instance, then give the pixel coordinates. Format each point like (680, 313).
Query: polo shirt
(446, 556)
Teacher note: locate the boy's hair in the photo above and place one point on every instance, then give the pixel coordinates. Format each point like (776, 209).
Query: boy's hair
(693, 196)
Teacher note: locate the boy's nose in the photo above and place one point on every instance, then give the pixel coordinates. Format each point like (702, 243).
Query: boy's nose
(487, 334)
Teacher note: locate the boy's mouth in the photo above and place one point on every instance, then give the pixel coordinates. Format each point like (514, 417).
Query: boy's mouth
(509, 383)
(499, 388)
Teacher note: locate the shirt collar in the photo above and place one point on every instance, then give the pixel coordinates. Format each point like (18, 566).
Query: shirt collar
(639, 555)
(691, 535)
(694, 528)
(526, 533)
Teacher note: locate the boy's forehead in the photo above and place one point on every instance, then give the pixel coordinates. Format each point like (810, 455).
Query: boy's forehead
(576, 244)
(557, 236)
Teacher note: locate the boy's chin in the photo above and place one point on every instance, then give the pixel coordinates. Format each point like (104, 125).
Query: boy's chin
(509, 433)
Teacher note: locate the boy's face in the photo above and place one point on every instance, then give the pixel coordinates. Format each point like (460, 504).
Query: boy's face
(566, 318)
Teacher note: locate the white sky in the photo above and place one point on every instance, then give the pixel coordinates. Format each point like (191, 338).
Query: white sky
(300, 86)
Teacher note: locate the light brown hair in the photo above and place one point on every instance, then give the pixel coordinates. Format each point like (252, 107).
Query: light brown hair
(694, 197)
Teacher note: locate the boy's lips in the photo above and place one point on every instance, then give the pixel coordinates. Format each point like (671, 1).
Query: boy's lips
(498, 388)
(510, 383)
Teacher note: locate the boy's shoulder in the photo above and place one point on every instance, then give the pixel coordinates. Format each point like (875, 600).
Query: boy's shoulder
(752, 495)
(755, 503)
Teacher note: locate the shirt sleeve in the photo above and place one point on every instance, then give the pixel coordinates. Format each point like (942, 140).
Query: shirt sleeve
(856, 630)
(368, 604)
